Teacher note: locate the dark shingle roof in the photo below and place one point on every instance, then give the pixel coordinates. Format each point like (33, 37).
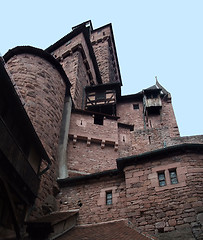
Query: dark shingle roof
(108, 231)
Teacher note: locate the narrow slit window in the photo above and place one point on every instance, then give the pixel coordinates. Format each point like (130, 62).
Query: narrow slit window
(162, 179)
(109, 200)
(173, 176)
(149, 139)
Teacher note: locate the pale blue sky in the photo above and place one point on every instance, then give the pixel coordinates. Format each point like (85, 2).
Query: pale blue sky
(161, 38)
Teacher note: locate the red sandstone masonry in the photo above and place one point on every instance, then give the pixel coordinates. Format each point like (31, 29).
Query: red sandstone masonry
(91, 148)
(102, 43)
(102, 54)
(94, 148)
(78, 77)
(83, 159)
(43, 94)
(75, 59)
(91, 194)
(70, 64)
(124, 142)
(43, 90)
(168, 118)
(131, 116)
(164, 207)
(71, 46)
(83, 125)
(149, 136)
(139, 198)
(77, 74)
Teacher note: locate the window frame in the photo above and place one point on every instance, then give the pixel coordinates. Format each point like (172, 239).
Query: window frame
(162, 180)
(180, 171)
(173, 177)
(109, 198)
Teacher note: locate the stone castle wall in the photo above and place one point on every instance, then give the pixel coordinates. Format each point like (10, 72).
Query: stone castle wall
(43, 91)
(76, 61)
(89, 197)
(173, 210)
(102, 43)
(163, 209)
(92, 147)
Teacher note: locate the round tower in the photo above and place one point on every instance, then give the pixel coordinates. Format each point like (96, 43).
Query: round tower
(43, 84)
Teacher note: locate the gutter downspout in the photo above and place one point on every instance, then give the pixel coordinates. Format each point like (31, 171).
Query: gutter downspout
(63, 138)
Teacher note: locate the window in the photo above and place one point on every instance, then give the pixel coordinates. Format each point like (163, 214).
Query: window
(168, 176)
(173, 176)
(100, 96)
(68, 43)
(162, 179)
(98, 119)
(109, 198)
(135, 106)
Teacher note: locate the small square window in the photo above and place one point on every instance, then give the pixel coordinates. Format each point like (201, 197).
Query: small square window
(173, 176)
(135, 106)
(162, 179)
(109, 198)
(99, 119)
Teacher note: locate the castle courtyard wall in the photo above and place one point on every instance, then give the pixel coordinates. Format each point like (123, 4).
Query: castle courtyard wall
(89, 196)
(43, 91)
(161, 211)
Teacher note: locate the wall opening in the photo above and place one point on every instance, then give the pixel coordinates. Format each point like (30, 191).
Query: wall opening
(109, 200)
(99, 119)
(135, 106)
(162, 179)
(173, 176)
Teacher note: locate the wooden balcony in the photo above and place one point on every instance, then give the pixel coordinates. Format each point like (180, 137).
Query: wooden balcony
(15, 166)
(152, 101)
(101, 98)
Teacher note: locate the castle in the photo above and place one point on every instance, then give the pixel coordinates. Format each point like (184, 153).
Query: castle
(81, 161)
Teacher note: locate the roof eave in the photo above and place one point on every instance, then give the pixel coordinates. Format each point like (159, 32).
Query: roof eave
(79, 179)
(41, 53)
(159, 153)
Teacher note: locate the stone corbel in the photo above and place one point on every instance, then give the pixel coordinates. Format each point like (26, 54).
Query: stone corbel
(116, 146)
(88, 141)
(75, 139)
(103, 144)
